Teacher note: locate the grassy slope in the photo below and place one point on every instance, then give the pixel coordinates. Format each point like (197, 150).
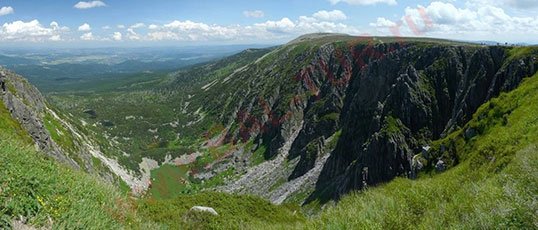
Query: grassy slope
(46, 192)
(494, 186)
(154, 108)
(235, 212)
(168, 180)
(138, 103)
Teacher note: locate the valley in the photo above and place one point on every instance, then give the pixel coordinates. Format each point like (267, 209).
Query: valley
(326, 131)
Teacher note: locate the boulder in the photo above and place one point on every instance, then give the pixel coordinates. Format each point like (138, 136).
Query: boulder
(204, 209)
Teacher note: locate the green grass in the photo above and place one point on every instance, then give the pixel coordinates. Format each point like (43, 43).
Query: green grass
(168, 181)
(51, 195)
(40, 189)
(11, 127)
(59, 133)
(47, 193)
(492, 183)
(258, 156)
(524, 51)
(392, 125)
(330, 117)
(333, 140)
(458, 199)
(494, 186)
(11, 88)
(235, 212)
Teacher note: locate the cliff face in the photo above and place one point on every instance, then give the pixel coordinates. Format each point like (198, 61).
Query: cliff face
(53, 134)
(342, 114)
(313, 119)
(399, 103)
(26, 105)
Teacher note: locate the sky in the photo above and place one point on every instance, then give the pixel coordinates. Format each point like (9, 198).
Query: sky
(201, 22)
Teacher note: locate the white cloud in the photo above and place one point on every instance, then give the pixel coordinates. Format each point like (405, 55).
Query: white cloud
(117, 36)
(288, 28)
(442, 13)
(335, 15)
(271, 30)
(383, 22)
(87, 37)
(192, 31)
(132, 35)
(472, 22)
(30, 31)
(89, 5)
(284, 25)
(138, 25)
(54, 25)
(280, 30)
(55, 38)
(187, 25)
(5, 10)
(364, 2)
(84, 27)
(254, 14)
(106, 27)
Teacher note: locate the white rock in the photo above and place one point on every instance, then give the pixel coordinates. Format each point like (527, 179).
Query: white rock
(204, 209)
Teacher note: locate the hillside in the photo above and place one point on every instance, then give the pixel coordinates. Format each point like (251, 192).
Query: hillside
(55, 136)
(37, 191)
(413, 128)
(493, 185)
(304, 122)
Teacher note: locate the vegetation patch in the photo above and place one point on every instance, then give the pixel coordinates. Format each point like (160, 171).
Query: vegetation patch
(392, 125)
(168, 181)
(235, 212)
(59, 133)
(258, 156)
(494, 185)
(39, 189)
(10, 126)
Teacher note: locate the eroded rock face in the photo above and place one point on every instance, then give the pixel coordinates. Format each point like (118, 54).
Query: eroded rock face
(398, 103)
(388, 99)
(26, 104)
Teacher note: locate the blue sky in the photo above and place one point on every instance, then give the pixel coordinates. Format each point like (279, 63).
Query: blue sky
(185, 22)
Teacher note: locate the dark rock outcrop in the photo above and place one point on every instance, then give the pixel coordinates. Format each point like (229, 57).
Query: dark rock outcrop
(26, 104)
(413, 95)
(389, 100)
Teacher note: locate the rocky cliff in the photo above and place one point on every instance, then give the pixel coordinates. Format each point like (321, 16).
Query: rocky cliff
(310, 120)
(398, 104)
(26, 104)
(336, 113)
(54, 134)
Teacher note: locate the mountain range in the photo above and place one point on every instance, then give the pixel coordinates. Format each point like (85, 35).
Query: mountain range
(327, 131)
